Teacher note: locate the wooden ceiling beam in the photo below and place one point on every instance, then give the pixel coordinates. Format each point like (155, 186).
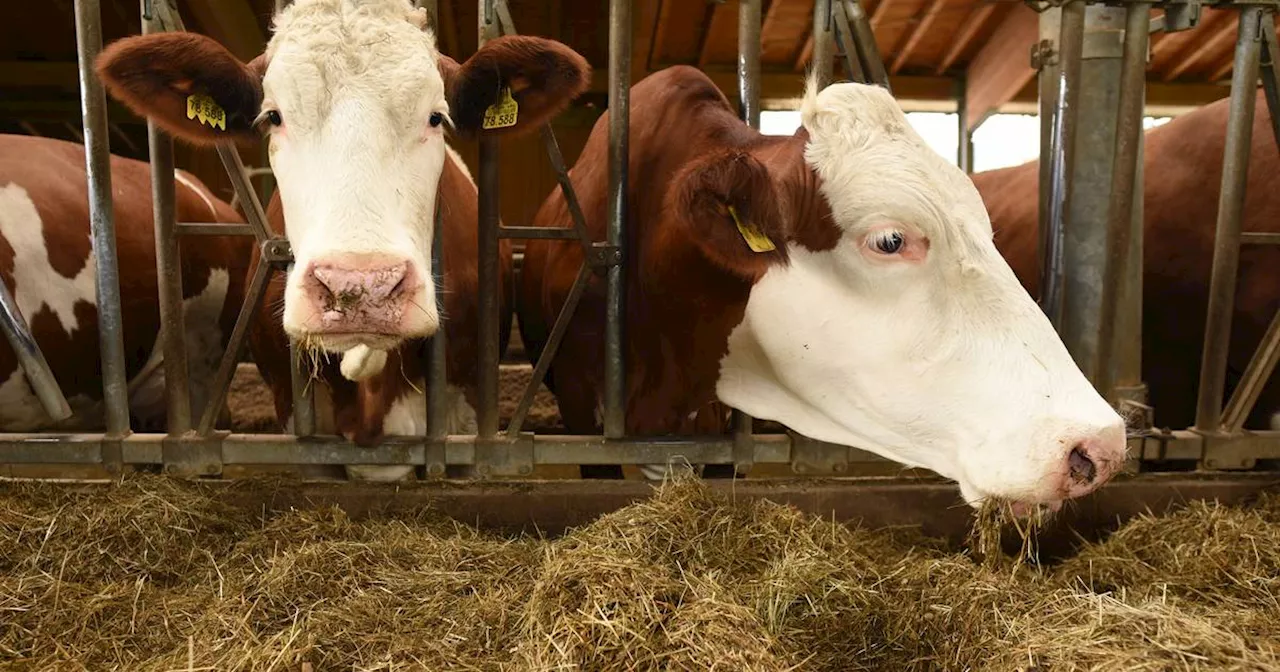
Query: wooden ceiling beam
(879, 13)
(231, 22)
(974, 23)
(806, 52)
(1224, 31)
(1002, 68)
(723, 25)
(923, 24)
(646, 21)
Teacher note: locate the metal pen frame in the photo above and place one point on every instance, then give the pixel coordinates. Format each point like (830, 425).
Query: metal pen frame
(192, 446)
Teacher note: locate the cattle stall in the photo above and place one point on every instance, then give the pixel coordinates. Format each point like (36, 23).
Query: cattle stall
(1107, 42)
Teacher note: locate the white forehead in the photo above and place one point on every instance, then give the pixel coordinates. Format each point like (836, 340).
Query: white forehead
(874, 166)
(375, 50)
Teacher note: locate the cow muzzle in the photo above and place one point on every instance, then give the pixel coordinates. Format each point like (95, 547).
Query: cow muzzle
(374, 300)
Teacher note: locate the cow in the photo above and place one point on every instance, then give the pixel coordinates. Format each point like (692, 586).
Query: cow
(1182, 181)
(354, 100)
(841, 282)
(47, 263)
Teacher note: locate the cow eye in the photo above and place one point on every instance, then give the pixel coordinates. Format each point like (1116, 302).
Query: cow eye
(889, 242)
(274, 118)
(436, 119)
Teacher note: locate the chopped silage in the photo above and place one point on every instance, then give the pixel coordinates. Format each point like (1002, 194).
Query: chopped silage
(154, 574)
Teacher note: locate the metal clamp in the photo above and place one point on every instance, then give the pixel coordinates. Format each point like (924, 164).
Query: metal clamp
(192, 455)
(604, 255)
(277, 251)
(504, 456)
(810, 456)
(1043, 54)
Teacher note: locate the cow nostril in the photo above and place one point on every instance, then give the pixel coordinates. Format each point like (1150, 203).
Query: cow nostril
(1082, 469)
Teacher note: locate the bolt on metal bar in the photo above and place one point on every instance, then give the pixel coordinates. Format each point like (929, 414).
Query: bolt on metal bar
(864, 42)
(1226, 248)
(489, 322)
(1121, 225)
(549, 349)
(93, 107)
(32, 360)
(619, 122)
(1062, 157)
(227, 366)
(822, 42)
(169, 268)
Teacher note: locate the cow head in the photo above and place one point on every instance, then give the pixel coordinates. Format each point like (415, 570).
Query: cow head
(881, 315)
(354, 99)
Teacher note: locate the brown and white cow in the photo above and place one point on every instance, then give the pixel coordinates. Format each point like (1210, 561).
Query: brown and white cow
(1183, 177)
(876, 312)
(47, 262)
(354, 97)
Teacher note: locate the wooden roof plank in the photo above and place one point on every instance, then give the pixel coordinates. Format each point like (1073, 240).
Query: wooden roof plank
(932, 9)
(231, 22)
(969, 29)
(1223, 31)
(1003, 65)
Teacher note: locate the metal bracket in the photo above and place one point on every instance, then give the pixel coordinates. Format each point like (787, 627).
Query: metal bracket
(504, 457)
(1223, 452)
(277, 252)
(1043, 54)
(810, 456)
(193, 456)
(604, 255)
(1180, 16)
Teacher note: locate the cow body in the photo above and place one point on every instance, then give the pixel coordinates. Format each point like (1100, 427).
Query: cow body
(1182, 181)
(354, 100)
(47, 263)
(841, 282)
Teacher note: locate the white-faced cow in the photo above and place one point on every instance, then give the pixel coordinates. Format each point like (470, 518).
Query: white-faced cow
(354, 99)
(47, 262)
(1182, 178)
(842, 282)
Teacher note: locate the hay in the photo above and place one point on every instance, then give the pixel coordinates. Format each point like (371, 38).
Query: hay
(154, 574)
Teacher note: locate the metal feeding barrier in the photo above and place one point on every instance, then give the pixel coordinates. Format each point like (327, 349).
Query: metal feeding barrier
(1097, 311)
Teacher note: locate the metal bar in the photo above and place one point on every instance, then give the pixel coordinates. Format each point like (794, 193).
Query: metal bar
(31, 359)
(214, 229)
(619, 120)
(93, 103)
(1269, 68)
(256, 218)
(964, 137)
(303, 395)
(1050, 72)
(566, 186)
(864, 42)
(1253, 238)
(235, 345)
(846, 44)
(1226, 252)
(549, 349)
(1255, 378)
(1122, 229)
(438, 352)
(749, 61)
(489, 322)
(1062, 157)
(536, 232)
(820, 63)
(169, 269)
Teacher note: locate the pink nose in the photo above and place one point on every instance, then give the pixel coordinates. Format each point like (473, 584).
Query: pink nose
(1092, 460)
(359, 293)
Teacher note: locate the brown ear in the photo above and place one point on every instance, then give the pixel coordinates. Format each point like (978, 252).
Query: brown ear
(154, 74)
(544, 77)
(727, 203)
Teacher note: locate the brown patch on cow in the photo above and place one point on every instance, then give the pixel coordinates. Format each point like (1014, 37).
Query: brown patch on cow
(1183, 176)
(689, 270)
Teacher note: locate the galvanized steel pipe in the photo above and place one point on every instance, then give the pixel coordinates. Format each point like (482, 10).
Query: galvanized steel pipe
(619, 123)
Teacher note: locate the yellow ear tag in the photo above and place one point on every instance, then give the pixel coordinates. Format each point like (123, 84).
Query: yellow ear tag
(502, 113)
(202, 107)
(756, 240)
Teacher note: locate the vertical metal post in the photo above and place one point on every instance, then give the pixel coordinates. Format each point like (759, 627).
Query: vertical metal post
(964, 137)
(749, 62)
(489, 324)
(169, 268)
(822, 41)
(93, 107)
(1084, 235)
(1062, 157)
(304, 410)
(864, 43)
(1124, 231)
(619, 153)
(1049, 65)
(437, 374)
(1226, 248)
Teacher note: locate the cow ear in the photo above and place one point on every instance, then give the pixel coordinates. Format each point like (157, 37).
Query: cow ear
(729, 205)
(540, 76)
(187, 83)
